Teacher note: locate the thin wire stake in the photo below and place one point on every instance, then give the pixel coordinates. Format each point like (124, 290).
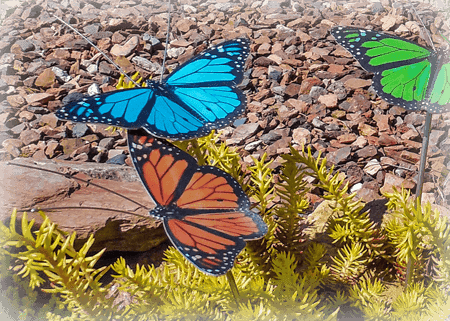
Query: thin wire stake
(233, 286)
(98, 49)
(423, 154)
(57, 209)
(81, 180)
(167, 46)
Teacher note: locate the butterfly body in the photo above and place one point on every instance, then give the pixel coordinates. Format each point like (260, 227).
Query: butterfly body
(405, 73)
(199, 96)
(205, 212)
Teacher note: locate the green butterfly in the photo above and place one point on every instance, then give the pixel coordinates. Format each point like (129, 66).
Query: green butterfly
(405, 74)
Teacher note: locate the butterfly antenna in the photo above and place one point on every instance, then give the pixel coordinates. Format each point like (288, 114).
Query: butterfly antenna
(92, 208)
(426, 33)
(167, 46)
(81, 180)
(99, 50)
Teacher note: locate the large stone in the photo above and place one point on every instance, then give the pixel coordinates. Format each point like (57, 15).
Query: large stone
(112, 229)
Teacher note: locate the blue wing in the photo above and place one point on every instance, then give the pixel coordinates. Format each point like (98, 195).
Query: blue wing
(123, 108)
(221, 65)
(189, 112)
(199, 96)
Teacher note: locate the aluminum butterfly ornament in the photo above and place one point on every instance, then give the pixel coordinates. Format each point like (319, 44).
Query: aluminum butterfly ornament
(405, 74)
(199, 96)
(204, 210)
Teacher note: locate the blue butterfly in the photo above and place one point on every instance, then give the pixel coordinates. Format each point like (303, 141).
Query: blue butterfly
(199, 96)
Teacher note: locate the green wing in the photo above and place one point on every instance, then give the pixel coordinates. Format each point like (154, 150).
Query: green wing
(402, 69)
(441, 89)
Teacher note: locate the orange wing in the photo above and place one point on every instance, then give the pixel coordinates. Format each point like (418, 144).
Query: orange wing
(211, 241)
(161, 167)
(208, 191)
(206, 213)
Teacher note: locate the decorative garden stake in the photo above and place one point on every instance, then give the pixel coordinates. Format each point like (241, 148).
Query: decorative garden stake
(205, 212)
(405, 74)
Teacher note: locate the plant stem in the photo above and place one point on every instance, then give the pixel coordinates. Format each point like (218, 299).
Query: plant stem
(233, 287)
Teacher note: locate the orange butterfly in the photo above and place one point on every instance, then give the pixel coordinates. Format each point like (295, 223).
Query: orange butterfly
(205, 212)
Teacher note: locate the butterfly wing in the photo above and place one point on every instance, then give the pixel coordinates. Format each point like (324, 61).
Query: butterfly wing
(402, 69)
(123, 108)
(205, 211)
(190, 112)
(201, 95)
(439, 97)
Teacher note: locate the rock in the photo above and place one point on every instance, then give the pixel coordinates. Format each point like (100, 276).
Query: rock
(329, 100)
(79, 130)
(367, 152)
(354, 83)
(372, 167)
(45, 79)
(387, 140)
(50, 120)
(392, 180)
(301, 136)
(30, 136)
(126, 49)
(245, 131)
(339, 156)
(113, 231)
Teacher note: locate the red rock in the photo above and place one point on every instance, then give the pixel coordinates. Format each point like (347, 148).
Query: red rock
(354, 83)
(39, 155)
(393, 151)
(392, 180)
(308, 83)
(29, 150)
(46, 78)
(262, 94)
(410, 135)
(358, 103)
(410, 157)
(30, 136)
(387, 140)
(336, 144)
(383, 122)
(347, 138)
(337, 69)
(411, 144)
(50, 149)
(369, 192)
(39, 98)
(329, 100)
(372, 140)
(49, 119)
(360, 142)
(127, 48)
(292, 89)
(367, 152)
(366, 130)
(387, 161)
(111, 230)
(299, 105)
